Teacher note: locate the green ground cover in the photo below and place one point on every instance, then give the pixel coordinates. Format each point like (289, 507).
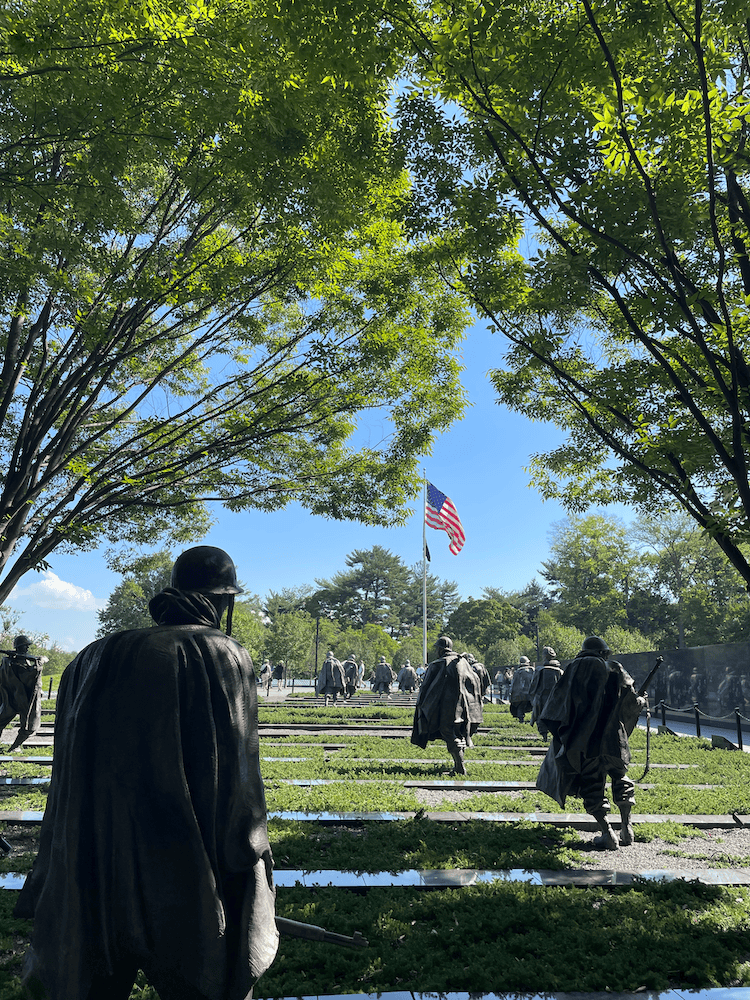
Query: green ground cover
(420, 843)
(500, 937)
(517, 937)
(507, 937)
(344, 797)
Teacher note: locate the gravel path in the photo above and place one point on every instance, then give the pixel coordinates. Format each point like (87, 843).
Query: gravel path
(713, 846)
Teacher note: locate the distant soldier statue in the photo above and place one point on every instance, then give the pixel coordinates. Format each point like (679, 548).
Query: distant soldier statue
(448, 705)
(350, 675)
(542, 684)
(591, 712)
(331, 680)
(485, 684)
(407, 679)
(21, 689)
(383, 678)
(519, 690)
(153, 852)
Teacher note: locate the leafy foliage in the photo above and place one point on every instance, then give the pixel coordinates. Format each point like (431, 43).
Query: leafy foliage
(483, 622)
(613, 138)
(203, 274)
(127, 605)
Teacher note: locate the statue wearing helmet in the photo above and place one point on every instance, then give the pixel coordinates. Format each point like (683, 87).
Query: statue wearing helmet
(154, 841)
(541, 688)
(350, 675)
(591, 711)
(331, 679)
(449, 704)
(407, 679)
(21, 689)
(383, 677)
(523, 675)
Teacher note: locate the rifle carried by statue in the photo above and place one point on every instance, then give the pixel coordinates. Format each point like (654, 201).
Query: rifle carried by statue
(311, 932)
(643, 690)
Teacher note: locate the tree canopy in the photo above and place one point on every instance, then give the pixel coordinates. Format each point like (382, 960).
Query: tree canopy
(378, 588)
(204, 274)
(613, 138)
(127, 605)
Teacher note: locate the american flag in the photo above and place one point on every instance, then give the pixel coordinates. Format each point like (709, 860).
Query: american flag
(441, 514)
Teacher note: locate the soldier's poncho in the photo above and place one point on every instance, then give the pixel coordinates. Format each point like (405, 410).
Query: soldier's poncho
(382, 678)
(591, 711)
(331, 679)
(407, 679)
(484, 678)
(21, 691)
(449, 704)
(542, 684)
(519, 691)
(154, 845)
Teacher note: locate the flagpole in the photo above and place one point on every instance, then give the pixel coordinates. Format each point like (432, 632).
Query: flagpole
(424, 571)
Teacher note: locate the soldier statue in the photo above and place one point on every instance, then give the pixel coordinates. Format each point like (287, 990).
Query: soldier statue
(21, 689)
(542, 684)
(591, 711)
(383, 677)
(153, 852)
(331, 679)
(350, 675)
(520, 686)
(449, 704)
(407, 679)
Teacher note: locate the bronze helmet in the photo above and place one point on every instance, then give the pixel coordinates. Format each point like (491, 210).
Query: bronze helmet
(207, 570)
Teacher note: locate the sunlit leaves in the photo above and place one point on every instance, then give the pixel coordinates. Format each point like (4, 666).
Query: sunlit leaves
(618, 133)
(202, 231)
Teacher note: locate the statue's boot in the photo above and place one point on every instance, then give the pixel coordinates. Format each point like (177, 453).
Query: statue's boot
(21, 738)
(627, 835)
(605, 842)
(458, 760)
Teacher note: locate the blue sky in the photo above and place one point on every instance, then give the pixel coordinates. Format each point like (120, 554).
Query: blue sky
(478, 463)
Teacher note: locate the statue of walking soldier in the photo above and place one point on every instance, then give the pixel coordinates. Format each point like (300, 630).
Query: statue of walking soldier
(449, 704)
(21, 689)
(591, 712)
(153, 851)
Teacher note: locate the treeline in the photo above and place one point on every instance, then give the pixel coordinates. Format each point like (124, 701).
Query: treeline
(658, 583)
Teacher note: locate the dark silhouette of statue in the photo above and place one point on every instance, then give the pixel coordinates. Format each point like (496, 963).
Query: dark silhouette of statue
(154, 853)
(523, 675)
(449, 704)
(382, 678)
(331, 679)
(350, 675)
(21, 689)
(542, 684)
(591, 712)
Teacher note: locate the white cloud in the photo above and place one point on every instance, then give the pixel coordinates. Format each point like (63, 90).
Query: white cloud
(52, 592)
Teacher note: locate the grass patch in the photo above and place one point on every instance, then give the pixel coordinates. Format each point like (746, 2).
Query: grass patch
(517, 938)
(421, 843)
(670, 832)
(346, 797)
